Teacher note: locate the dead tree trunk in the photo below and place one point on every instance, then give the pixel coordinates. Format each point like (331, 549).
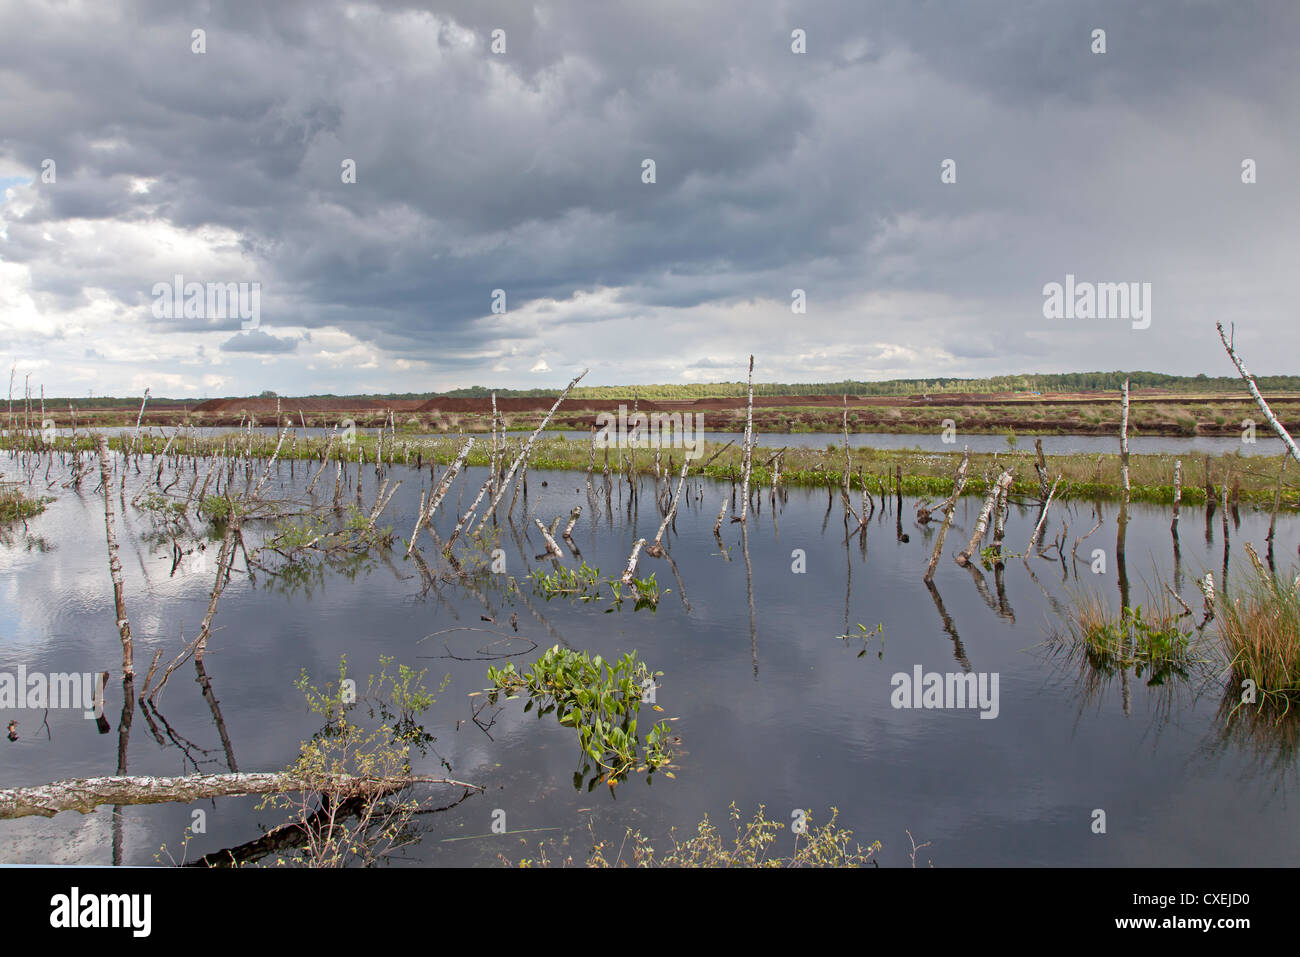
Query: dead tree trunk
(749, 445)
(1040, 466)
(1277, 501)
(959, 483)
(426, 515)
(632, 560)
(528, 446)
(115, 563)
(1042, 519)
(996, 491)
(1178, 496)
(1123, 440)
(552, 546)
(656, 547)
(85, 794)
(1272, 420)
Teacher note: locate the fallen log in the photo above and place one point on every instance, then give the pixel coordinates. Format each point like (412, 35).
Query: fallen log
(85, 794)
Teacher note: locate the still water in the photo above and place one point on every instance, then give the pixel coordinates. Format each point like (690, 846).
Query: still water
(772, 706)
(1265, 442)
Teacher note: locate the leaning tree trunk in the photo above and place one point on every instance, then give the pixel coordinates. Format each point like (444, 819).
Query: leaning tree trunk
(528, 447)
(1272, 419)
(996, 491)
(959, 483)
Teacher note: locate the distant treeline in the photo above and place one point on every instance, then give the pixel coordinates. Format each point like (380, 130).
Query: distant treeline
(1046, 383)
(1053, 382)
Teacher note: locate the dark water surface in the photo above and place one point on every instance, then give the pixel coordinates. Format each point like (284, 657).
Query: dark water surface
(1265, 442)
(772, 708)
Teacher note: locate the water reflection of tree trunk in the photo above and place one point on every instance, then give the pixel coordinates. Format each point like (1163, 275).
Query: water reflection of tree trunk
(1121, 569)
(215, 707)
(958, 651)
(123, 739)
(997, 606)
(1224, 503)
(294, 834)
(681, 587)
(1209, 505)
(749, 588)
(848, 584)
(1004, 606)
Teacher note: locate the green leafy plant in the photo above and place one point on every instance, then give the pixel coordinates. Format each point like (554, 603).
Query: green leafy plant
(600, 700)
(584, 583)
(1151, 642)
(865, 635)
(356, 808)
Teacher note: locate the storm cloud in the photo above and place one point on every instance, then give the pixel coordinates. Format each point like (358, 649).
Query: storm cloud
(127, 158)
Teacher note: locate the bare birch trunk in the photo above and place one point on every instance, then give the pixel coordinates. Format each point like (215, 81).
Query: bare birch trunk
(656, 548)
(632, 560)
(749, 445)
(115, 563)
(552, 546)
(959, 483)
(444, 485)
(981, 524)
(324, 461)
(1042, 519)
(85, 794)
(1123, 440)
(460, 526)
(528, 446)
(1040, 466)
(722, 512)
(1178, 493)
(1272, 420)
(573, 520)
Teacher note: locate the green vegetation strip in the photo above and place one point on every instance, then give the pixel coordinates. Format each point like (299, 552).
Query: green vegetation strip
(1083, 476)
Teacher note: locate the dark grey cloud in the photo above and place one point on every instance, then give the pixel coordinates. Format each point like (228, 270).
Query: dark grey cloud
(254, 340)
(522, 172)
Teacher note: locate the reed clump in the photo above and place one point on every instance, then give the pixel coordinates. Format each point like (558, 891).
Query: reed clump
(1153, 640)
(15, 504)
(1259, 628)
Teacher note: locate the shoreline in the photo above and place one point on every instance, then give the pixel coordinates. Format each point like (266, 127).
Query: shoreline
(1249, 480)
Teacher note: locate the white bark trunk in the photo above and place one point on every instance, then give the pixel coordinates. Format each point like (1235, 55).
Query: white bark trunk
(749, 445)
(1272, 420)
(496, 499)
(996, 490)
(85, 794)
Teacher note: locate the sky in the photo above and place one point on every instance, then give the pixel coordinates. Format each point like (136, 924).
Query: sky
(921, 171)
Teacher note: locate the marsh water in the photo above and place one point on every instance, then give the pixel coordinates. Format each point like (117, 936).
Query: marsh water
(772, 705)
(1264, 444)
